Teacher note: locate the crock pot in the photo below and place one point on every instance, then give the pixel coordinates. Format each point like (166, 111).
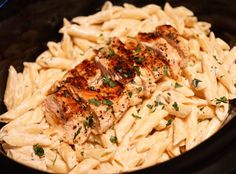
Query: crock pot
(27, 25)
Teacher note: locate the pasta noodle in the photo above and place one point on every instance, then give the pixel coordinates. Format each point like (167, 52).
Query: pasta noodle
(179, 115)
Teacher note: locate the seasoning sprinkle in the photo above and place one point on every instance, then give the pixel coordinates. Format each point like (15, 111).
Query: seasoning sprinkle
(169, 122)
(66, 94)
(221, 100)
(149, 106)
(139, 89)
(113, 139)
(136, 69)
(94, 101)
(107, 102)
(175, 106)
(177, 85)
(38, 150)
(107, 80)
(88, 122)
(77, 133)
(165, 70)
(129, 94)
(54, 161)
(195, 82)
(136, 116)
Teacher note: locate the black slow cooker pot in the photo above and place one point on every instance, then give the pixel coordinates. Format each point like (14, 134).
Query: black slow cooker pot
(27, 25)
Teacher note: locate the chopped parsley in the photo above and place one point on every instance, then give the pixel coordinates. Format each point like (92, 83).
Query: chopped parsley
(38, 150)
(149, 106)
(113, 139)
(136, 69)
(110, 53)
(177, 85)
(101, 34)
(66, 94)
(118, 68)
(158, 103)
(202, 108)
(136, 116)
(77, 132)
(92, 88)
(108, 108)
(94, 101)
(137, 50)
(175, 106)
(165, 70)
(84, 106)
(99, 49)
(221, 100)
(107, 80)
(138, 60)
(107, 102)
(127, 74)
(129, 94)
(54, 161)
(217, 60)
(82, 153)
(88, 122)
(139, 89)
(195, 82)
(169, 122)
(169, 94)
(235, 85)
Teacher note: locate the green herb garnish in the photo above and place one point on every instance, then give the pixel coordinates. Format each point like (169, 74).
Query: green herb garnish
(99, 49)
(137, 50)
(129, 94)
(195, 82)
(77, 132)
(139, 89)
(94, 101)
(202, 108)
(149, 106)
(169, 122)
(38, 150)
(221, 100)
(157, 103)
(92, 88)
(113, 139)
(175, 106)
(66, 94)
(139, 60)
(136, 116)
(110, 53)
(107, 102)
(177, 85)
(107, 80)
(54, 161)
(165, 70)
(88, 122)
(136, 69)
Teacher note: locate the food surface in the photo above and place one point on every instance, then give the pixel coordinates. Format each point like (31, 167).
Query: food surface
(126, 88)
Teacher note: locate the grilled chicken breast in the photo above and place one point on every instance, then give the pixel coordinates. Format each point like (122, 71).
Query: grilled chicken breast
(96, 93)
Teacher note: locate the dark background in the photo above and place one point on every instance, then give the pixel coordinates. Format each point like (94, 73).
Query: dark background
(27, 25)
